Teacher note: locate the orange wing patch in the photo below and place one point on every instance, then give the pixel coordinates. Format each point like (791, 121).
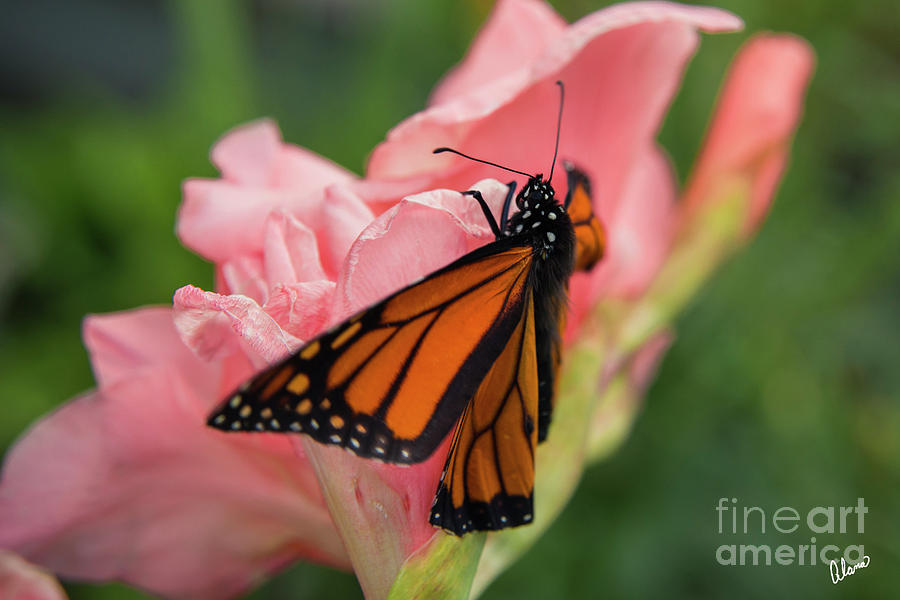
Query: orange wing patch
(488, 480)
(590, 237)
(390, 382)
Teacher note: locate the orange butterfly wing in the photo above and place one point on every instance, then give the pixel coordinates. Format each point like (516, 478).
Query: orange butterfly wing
(390, 382)
(590, 237)
(488, 479)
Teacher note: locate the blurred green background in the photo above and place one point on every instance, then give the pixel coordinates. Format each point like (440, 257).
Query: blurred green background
(781, 389)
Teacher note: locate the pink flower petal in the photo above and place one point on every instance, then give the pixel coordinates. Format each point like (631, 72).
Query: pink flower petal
(757, 114)
(342, 218)
(128, 483)
(639, 234)
(516, 34)
(20, 580)
(122, 343)
(298, 168)
(254, 155)
(213, 326)
(243, 275)
(302, 309)
(621, 67)
(418, 236)
(220, 219)
(245, 154)
(290, 250)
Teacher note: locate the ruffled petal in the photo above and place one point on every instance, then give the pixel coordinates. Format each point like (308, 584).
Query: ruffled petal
(214, 326)
(302, 309)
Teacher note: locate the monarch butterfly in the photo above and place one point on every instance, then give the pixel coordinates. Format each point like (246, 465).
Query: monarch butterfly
(475, 343)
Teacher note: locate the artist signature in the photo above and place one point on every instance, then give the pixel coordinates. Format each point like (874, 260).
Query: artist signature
(837, 576)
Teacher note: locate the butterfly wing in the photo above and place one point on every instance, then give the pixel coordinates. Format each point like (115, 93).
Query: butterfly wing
(488, 479)
(590, 238)
(390, 382)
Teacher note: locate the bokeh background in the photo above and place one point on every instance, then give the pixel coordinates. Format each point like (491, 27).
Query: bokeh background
(782, 387)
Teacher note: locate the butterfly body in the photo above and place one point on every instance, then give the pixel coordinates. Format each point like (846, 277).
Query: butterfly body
(475, 346)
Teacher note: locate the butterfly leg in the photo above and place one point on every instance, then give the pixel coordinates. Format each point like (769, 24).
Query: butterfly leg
(486, 210)
(504, 214)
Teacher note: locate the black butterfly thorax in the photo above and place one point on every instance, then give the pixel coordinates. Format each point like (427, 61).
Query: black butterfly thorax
(543, 223)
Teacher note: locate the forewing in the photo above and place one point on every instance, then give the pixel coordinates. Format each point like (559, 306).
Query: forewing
(488, 480)
(390, 382)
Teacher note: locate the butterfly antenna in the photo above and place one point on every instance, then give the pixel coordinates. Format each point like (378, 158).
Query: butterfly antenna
(562, 96)
(486, 162)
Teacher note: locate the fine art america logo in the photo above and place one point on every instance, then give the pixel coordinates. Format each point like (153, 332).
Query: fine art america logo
(747, 520)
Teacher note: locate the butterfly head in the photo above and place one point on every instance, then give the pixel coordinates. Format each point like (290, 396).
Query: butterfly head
(542, 220)
(535, 192)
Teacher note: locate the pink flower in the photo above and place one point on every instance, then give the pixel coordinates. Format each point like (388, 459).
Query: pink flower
(127, 483)
(20, 580)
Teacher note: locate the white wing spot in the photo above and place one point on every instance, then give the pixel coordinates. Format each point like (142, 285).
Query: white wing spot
(551, 236)
(275, 424)
(354, 442)
(314, 423)
(235, 424)
(552, 215)
(335, 438)
(404, 453)
(260, 427)
(295, 426)
(526, 214)
(219, 420)
(235, 402)
(519, 228)
(536, 224)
